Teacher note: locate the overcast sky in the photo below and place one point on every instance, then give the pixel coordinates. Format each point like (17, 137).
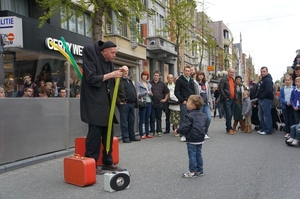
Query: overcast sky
(270, 29)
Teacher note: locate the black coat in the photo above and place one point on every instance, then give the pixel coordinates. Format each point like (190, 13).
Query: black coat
(94, 100)
(194, 126)
(184, 88)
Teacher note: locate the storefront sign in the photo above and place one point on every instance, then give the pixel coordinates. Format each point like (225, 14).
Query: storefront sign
(75, 49)
(210, 68)
(12, 31)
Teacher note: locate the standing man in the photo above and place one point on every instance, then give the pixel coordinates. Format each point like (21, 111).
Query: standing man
(160, 96)
(96, 94)
(265, 97)
(184, 87)
(126, 103)
(29, 84)
(227, 96)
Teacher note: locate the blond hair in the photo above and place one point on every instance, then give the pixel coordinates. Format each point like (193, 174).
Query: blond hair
(197, 101)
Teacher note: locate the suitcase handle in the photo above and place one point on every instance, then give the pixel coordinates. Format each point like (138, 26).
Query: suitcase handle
(76, 155)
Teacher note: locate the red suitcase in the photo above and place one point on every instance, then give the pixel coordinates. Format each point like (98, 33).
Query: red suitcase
(80, 149)
(80, 171)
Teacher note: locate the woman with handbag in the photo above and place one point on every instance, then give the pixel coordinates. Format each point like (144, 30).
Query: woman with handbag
(205, 93)
(144, 93)
(173, 104)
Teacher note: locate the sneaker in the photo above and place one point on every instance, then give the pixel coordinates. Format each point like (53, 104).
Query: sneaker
(287, 135)
(206, 137)
(182, 139)
(295, 142)
(143, 137)
(176, 135)
(199, 174)
(149, 136)
(189, 175)
(290, 140)
(152, 134)
(262, 133)
(99, 171)
(159, 134)
(166, 132)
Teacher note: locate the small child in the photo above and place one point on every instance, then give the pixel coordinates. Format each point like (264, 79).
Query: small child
(194, 130)
(295, 100)
(294, 135)
(247, 111)
(2, 92)
(287, 109)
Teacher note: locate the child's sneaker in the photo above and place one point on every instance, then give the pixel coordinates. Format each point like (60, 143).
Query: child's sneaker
(295, 142)
(189, 175)
(290, 140)
(199, 174)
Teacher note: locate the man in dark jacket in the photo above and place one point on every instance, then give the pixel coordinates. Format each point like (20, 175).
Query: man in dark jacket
(184, 87)
(160, 96)
(126, 103)
(96, 94)
(227, 97)
(265, 97)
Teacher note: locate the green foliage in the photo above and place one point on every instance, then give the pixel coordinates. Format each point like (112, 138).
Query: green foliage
(124, 10)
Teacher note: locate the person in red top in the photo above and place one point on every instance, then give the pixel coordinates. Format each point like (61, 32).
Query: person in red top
(227, 96)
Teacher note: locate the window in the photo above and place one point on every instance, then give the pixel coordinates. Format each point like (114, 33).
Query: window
(135, 29)
(78, 24)
(17, 6)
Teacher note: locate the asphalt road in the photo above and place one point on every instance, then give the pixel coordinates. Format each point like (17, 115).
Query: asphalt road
(236, 166)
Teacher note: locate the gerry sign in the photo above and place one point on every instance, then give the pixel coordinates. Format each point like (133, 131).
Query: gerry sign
(75, 49)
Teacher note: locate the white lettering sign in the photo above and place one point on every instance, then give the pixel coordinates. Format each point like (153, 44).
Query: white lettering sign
(12, 32)
(75, 49)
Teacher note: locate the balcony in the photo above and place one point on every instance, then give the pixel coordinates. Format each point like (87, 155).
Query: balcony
(161, 46)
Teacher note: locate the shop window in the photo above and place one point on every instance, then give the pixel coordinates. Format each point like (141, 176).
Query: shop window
(40, 66)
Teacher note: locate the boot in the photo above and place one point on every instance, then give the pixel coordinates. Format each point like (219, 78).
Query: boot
(234, 126)
(249, 130)
(242, 123)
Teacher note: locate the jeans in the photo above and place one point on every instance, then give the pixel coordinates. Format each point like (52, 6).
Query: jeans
(294, 132)
(264, 115)
(206, 110)
(97, 134)
(288, 116)
(229, 108)
(168, 112)
(127, 119)
(156, 114)
(183, 112)
(220, 111)
(144, 116)
(195, 157)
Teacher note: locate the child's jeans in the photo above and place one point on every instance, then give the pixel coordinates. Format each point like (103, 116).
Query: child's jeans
(295, 132)
(195, 157)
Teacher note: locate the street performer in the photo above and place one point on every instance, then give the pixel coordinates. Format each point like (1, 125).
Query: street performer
(97, 90)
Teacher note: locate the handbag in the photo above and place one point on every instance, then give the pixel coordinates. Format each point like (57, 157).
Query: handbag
(173, 102)
(142, 103)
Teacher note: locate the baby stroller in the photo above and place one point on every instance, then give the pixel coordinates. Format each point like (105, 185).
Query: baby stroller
(280, 119)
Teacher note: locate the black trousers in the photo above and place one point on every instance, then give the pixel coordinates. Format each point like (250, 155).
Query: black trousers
(96, 135)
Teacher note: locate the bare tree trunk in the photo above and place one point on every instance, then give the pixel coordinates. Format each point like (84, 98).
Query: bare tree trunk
(98, 22)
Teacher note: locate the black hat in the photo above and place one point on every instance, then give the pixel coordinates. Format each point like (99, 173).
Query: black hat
(107, 44)
(238, 77)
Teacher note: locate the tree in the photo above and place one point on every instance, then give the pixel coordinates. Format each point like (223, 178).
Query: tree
(206, 43)
(124, 11)
(178, 22)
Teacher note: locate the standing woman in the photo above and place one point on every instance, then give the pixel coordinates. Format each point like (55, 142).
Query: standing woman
(237, 113)
(143, 89)
(205, 93)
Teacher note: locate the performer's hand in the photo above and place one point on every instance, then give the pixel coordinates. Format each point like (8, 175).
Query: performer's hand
(123, 68)
(117, 73)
